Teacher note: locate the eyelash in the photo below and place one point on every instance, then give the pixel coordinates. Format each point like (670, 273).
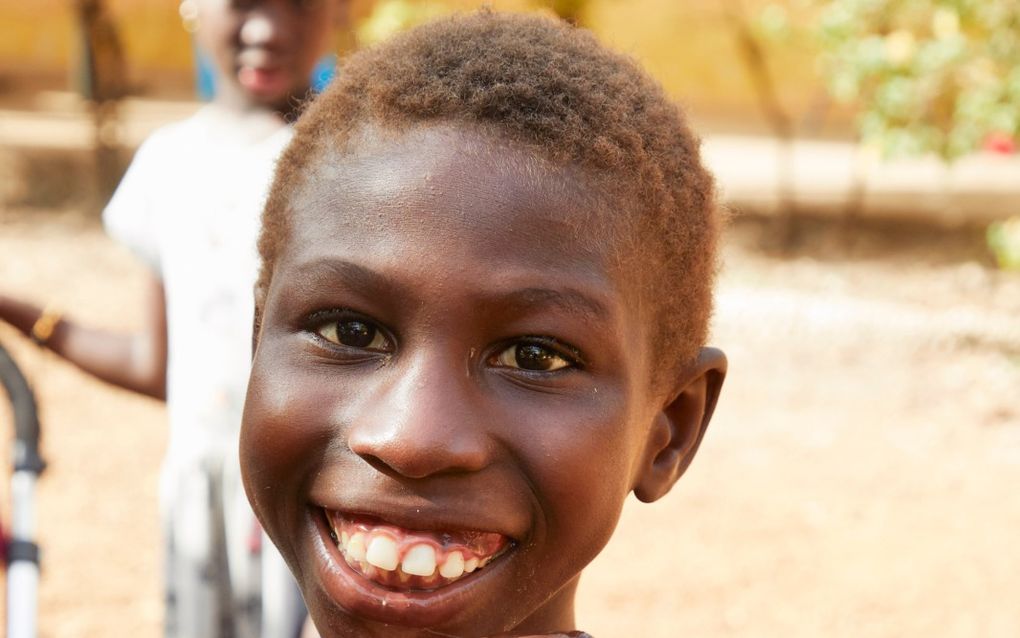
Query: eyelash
(568, 354)
(318, 320)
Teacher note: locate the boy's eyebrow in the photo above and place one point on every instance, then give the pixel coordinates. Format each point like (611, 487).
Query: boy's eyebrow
(569, 300)
(352, 274)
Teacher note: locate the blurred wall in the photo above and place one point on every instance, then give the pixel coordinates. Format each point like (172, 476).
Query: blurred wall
(40, 45)
(691, 47)
(688, 44)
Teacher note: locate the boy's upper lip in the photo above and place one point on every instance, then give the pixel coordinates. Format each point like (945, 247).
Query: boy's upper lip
(430, 515)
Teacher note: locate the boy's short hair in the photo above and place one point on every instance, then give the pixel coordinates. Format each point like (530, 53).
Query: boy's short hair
(554, 89)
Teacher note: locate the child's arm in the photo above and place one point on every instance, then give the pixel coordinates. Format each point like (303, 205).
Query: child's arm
(134, 361)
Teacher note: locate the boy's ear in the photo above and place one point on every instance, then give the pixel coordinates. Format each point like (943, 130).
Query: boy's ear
(679, 427)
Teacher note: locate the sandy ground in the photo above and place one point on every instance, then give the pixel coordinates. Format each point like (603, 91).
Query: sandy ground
(859, 480)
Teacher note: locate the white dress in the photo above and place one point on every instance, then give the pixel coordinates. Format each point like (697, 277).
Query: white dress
(190, 206)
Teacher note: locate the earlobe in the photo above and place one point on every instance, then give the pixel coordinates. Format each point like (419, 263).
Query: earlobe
(678, 429)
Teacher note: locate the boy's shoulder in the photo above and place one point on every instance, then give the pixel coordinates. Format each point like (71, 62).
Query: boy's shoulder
(209, 144)
(206, 169)
(172, 142)
(183, 134)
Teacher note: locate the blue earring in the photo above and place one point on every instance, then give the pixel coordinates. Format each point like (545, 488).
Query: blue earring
(323, 73)
(205, 76)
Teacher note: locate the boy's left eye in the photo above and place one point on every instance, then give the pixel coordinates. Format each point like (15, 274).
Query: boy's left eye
(533, 356)
(354, 333)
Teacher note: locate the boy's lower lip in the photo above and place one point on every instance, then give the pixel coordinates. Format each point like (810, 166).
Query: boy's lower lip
(362, 597)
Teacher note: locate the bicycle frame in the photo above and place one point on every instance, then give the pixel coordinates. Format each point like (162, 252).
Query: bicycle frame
(22, 551)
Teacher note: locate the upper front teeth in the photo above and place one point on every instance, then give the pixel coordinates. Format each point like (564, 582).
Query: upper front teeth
(407, 559)
(420, 560)
(382, 552)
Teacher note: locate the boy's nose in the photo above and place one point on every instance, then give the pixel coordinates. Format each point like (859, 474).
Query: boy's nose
(423, 424)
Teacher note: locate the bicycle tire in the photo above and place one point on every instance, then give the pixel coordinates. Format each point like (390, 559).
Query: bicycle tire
(26, 415)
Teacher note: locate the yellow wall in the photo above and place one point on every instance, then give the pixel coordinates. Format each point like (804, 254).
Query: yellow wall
(690, 46)
(40, 36)
(37, 34)
(687, 44)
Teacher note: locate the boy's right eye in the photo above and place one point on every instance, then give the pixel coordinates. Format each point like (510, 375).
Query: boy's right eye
(354, 332)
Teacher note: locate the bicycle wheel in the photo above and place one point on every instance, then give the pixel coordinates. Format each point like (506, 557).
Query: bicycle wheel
(22, 551)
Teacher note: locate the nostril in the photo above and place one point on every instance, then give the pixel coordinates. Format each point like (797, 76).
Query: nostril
(422, 454)
(379, 465)
(409, 468)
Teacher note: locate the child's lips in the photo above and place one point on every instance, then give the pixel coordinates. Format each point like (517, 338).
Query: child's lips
(413, 603)
(263, 80)
(411, 560)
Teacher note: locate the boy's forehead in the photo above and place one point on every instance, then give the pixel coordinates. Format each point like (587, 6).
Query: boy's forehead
(461, 191)
(463, 179)
(375, 156)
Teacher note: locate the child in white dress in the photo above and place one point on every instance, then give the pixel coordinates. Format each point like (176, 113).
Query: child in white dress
(189, 207)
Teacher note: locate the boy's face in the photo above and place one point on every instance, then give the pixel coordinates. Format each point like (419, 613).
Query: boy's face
(451, 394)
(265, 50)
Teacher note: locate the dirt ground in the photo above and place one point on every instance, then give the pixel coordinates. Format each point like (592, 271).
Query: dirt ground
(859, 480)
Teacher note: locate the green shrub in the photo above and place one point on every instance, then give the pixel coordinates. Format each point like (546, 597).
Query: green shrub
(930, 76)
(938, 76)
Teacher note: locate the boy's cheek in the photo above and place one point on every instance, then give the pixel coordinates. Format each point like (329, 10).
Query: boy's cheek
(591, 465)
(594, 438)
(282, 437)
(582, 458)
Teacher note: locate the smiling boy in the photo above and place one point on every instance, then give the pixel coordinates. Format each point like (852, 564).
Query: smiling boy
(487, 269)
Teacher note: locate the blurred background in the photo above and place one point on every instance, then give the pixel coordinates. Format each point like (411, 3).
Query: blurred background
(859, 478)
